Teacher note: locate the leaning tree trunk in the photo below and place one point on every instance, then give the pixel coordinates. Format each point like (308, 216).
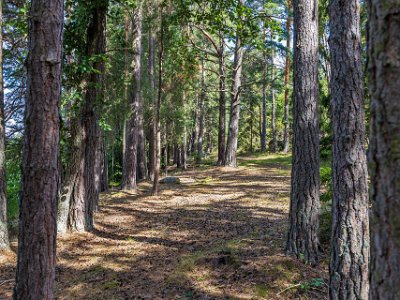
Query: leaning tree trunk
(86, 187)
(222, 104)
(304, 199)
(141, 143)
(232, 142)
(4, 241)
(264, 91)
(202, 113)
(384, 37)
(35, 276)
(287, 71)
(350, 227)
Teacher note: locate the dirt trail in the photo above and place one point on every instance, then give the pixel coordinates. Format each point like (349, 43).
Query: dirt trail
(217, 235)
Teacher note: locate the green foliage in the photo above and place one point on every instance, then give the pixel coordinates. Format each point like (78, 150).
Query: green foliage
(13, 174)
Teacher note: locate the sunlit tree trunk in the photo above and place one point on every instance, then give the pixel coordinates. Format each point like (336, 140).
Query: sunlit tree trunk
(202, 106)
(35, 276)
(384, 77)
(264, 100)
(222, 103)
(303, 239)
(287, 75)
(232, 142)
(273, 104)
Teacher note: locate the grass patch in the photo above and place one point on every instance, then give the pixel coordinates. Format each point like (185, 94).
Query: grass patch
(110, 285)
(261, 291)
(262, 159)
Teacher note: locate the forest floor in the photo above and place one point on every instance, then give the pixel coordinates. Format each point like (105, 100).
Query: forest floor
(219, 234)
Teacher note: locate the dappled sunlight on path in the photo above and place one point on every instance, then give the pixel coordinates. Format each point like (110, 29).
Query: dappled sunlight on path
(218, 235)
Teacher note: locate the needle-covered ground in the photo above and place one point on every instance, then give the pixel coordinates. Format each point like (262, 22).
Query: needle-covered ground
(219, 234)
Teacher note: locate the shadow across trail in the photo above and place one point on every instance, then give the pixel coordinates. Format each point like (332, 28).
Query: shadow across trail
(219, 236)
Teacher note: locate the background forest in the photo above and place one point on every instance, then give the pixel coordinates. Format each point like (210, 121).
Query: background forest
(170, 134)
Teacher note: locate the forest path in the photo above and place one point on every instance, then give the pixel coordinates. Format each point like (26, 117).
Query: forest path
(219, 234)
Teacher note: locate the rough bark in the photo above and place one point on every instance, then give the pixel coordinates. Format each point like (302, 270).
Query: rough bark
(232, 142)
(202, 106)
(141, 144)
(41, 174)
(152, 151)
(157, 136)
(287, 74)
(221, 104)
(384, 71)
(70, 192)
(350, 227)
(86, 187)
(305, 187)
(4, 241)
(264, 100)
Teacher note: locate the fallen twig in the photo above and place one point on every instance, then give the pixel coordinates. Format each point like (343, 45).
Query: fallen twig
(6, 281)
(289, 288)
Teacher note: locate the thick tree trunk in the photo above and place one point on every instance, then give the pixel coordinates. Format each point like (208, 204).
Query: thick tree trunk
(222, 104)
(202, 107)
(304, 200)
(4, 241)
(287, 74)
(232, 142)
(350, 226)
(264, 100)
(86, 187)
(70, 192)
(157, 136)
(152, 148)
(273, 104)
(41, 168)
(384, 42)
(141, 144)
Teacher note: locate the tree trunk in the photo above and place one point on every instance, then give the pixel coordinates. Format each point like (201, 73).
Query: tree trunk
(232, 142)
(141, 144)
(41, 168)
(222, 104)
(350, 226)
(157, 165)
(193, 137)
(4, 241)
(264, 100)
(287, 74)
(304, 200)
(202, 112)
(384, 67)
(86, 187)
(133, 125)
(152, 148)
(104, 165)
(273, 105)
